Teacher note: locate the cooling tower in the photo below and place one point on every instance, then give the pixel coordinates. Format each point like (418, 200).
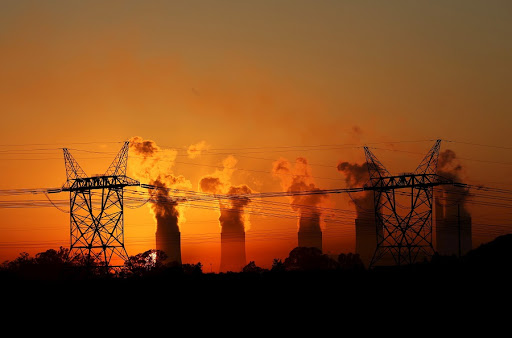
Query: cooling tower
(366, 239)
(310, 233)
(310, 239)
(447, 236)
(452, 222)
(232, 251)
(170, 243)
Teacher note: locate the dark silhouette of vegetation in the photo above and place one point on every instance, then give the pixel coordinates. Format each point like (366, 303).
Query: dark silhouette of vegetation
(302, 268)
(308, 259)
(147, 263)
(193, 269)
(306, 278)
(49, 265)
(277, 266)
(253, 268)
(350, 262)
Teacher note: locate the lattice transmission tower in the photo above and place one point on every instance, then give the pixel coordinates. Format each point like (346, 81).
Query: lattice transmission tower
(403, 208)
(96, 209)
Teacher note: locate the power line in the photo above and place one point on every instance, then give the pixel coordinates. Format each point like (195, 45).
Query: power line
(347, 145)
(479, 145)
(51, 144)
(276, 148)
(320, 146)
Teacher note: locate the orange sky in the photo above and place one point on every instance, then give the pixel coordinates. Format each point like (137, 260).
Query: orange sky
(240, 75)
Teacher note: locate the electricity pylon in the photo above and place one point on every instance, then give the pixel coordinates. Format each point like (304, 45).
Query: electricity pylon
(404, 232)
(96, 209)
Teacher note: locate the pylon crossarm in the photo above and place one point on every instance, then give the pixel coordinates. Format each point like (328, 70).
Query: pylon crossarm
(429, 163)
(100, 182)
(73, 169)
(407, 180)
(118, 165)
(376, 170)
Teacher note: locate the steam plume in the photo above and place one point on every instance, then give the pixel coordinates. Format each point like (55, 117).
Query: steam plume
(232, 216)
(300, 179)
(195, 150)
(356, 175)
(448, 166)
(154, 165)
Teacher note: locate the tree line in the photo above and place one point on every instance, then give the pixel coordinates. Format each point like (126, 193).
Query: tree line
(59, 264)
(488, 259)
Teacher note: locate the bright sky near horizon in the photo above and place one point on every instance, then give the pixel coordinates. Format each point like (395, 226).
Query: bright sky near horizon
(255, 80)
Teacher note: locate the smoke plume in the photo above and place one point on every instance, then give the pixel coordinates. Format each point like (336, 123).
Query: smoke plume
(153, 164)
(165, 210)
(356, 175)
(195, 150)
(232, 215)
(448, 166)
(300, 179)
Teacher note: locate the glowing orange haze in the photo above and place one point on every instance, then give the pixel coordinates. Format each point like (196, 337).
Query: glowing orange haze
(267, 237)
(254, 82)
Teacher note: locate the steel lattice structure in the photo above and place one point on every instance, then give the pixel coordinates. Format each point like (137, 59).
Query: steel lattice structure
(96, 209)
(408, 235)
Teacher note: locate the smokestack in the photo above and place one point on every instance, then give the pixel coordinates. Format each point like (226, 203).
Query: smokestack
(232, 251)
(453, 220)
(154, 164)
(308, 207)
(167, 233)
(356, 175)
(232, 218)
(170, 244)
(310, 234)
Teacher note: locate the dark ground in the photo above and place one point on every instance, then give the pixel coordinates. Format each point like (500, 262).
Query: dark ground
(479, 284)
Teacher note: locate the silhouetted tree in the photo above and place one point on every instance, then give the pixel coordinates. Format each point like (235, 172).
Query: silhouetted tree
(19, 268)
(277, 265)
(252, 268)
(350, 262)
(192, 269)
(83, 261)
(52, 256)
(18, 263)
(142, 263)
(308, 259)
(50, 264)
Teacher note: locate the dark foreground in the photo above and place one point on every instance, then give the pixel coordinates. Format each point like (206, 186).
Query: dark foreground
(386, 284)
(481, 283)
(362, 300)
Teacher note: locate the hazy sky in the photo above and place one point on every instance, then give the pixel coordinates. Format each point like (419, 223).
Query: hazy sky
(246, 74)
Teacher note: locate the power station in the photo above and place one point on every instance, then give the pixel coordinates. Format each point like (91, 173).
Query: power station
(453, 223)
(398, 230)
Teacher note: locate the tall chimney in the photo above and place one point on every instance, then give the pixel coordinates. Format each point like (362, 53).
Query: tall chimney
(310, 233)
(170, 243)
(232, 251)
(366, 239)
(453, 225)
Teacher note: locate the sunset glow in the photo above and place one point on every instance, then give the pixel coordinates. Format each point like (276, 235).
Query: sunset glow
(233, 98)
